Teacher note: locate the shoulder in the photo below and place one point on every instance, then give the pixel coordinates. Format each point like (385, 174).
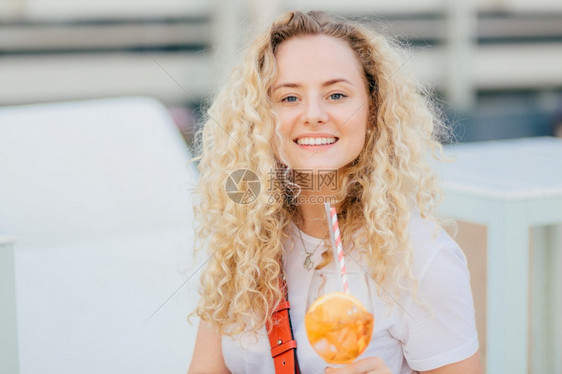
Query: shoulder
(431, 244)
(440, 326)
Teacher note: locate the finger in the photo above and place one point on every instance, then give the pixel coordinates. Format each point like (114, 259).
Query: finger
(329, 370)
(350, 369)
(370, 365)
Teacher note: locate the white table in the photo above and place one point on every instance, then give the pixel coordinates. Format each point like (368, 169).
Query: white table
(8, 327)
(97, 195)
(513, 186)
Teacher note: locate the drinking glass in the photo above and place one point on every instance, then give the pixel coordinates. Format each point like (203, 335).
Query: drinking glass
(339, 325)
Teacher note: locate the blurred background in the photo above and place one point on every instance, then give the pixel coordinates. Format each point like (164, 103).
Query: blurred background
(495, 65)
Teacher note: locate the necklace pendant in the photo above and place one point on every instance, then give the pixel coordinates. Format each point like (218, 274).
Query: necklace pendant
(308, 264)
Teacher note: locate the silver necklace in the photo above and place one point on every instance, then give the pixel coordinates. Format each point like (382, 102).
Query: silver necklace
(308, 264)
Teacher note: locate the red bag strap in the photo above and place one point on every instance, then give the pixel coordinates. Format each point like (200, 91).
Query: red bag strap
(283, 345)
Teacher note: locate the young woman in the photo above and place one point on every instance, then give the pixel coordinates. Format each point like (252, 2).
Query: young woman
(319, 111)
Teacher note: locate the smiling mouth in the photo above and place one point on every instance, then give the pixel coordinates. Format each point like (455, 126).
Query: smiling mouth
(316, 141)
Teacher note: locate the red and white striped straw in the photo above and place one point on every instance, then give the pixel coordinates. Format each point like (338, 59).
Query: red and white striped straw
(337, 244)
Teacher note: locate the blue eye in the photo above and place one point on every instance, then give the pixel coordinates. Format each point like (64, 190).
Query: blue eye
(337, 96)
(290, 99)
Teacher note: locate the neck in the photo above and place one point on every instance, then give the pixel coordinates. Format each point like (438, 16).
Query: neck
(314, 221)
(313, 212)
(317, 188)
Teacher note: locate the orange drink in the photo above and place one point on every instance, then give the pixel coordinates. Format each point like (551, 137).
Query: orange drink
(338, 327)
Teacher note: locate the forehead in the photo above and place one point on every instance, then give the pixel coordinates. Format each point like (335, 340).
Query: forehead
(314, 57)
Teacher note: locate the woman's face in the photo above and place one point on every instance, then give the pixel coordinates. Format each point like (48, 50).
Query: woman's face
(322, 102)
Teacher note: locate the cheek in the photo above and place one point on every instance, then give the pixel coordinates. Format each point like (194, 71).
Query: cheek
(360, 133)
(365, 123)
(284, 122)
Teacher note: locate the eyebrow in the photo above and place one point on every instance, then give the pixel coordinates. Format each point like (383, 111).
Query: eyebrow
(325, 84)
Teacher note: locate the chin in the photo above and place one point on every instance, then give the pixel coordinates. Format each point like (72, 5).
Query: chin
(316, 168)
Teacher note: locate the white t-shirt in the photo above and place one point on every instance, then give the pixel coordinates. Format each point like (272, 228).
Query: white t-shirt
(407, 336)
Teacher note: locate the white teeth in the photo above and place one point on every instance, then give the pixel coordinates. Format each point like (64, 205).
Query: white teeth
(315, 141)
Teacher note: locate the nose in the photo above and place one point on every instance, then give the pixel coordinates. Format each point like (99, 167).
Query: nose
(315, 112)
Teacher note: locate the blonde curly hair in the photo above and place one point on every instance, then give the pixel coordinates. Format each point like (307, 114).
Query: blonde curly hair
(390, 178)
